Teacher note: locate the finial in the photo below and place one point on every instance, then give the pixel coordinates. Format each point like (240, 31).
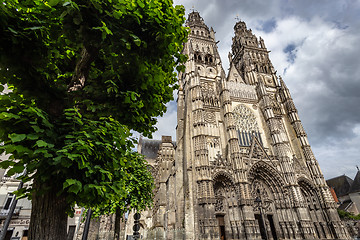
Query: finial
(237, 17)
(230, 57)
(193, 8)
(357, 167)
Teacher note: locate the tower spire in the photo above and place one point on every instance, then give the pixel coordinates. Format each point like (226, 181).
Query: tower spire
(251, 56)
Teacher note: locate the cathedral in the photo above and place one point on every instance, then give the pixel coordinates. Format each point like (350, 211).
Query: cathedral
(241, 166)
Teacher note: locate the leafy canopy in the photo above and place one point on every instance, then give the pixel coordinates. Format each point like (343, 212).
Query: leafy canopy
(82, 74)
(348, 216)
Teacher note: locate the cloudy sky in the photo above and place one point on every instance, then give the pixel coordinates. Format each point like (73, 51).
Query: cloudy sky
(315, 47)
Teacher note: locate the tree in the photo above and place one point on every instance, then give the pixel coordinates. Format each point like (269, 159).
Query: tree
(82, 74)
(344, 215)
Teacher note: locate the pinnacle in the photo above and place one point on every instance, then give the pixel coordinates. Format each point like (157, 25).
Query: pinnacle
(194, 19)
(282, 83)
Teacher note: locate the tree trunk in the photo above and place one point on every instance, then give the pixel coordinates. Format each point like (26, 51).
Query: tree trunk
(82, 68)
(48, 218)
(117, 223)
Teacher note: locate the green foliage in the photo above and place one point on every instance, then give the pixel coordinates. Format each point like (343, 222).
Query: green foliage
(82, 74)
(346, 215)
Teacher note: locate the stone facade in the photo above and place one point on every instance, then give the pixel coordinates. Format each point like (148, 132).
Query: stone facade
(242, 166)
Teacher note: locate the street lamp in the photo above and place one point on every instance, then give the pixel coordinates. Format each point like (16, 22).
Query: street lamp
(136, 227)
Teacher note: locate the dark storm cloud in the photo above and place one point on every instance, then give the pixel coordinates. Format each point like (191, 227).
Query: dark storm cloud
(331, 108)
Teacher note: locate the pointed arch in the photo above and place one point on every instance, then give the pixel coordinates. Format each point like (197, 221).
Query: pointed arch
(208, 59)
(222, 176)
(268, 193)
(306, 184)
(226, 203)
(312, 202)
(268, 174)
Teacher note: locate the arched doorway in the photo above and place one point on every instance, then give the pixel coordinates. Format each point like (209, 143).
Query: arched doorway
(226, 207)
(271, 202)
(318, 220)
(263, 209)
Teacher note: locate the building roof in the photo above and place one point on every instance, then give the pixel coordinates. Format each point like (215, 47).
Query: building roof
(345, 205)
(355, 186)
(340, 184)
(150, 147)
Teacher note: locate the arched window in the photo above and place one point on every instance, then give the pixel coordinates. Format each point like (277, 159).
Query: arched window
(246, 125)
(208, 59)
(197, 56)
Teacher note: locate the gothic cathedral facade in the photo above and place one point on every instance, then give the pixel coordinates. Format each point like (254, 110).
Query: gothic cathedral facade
(241, 167)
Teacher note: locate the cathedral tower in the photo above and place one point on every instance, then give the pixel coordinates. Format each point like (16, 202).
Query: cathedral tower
(243, 158)
(242, 166)
(199, 126)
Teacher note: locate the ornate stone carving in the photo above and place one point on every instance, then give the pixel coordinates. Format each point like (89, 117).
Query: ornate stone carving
(258, 190)
(245, 120)
(275, 103)
(257, 151)
(241, 92)
(210, 117)
(219, 205)
(220, 161)
(208, 94)
(213, 142)
(298, 167)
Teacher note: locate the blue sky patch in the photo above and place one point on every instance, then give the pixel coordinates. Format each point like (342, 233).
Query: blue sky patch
(268, 25)
(290, 51)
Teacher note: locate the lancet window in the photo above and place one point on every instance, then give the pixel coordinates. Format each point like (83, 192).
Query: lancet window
(208, 59)
(197, 57)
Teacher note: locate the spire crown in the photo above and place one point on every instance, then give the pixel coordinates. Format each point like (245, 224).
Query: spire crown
(198, 27)
(240, 25)
(195, 20)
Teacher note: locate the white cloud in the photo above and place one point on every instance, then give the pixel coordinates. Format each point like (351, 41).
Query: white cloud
(166, 124)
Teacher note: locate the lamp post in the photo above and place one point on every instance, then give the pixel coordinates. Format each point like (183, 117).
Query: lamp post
(136, 226)
(87, 224)
(259, 206)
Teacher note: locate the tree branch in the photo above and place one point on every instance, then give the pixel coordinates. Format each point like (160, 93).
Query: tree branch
(82, 68)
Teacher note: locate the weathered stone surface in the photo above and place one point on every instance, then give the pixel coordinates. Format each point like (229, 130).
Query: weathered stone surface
(242, 167)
